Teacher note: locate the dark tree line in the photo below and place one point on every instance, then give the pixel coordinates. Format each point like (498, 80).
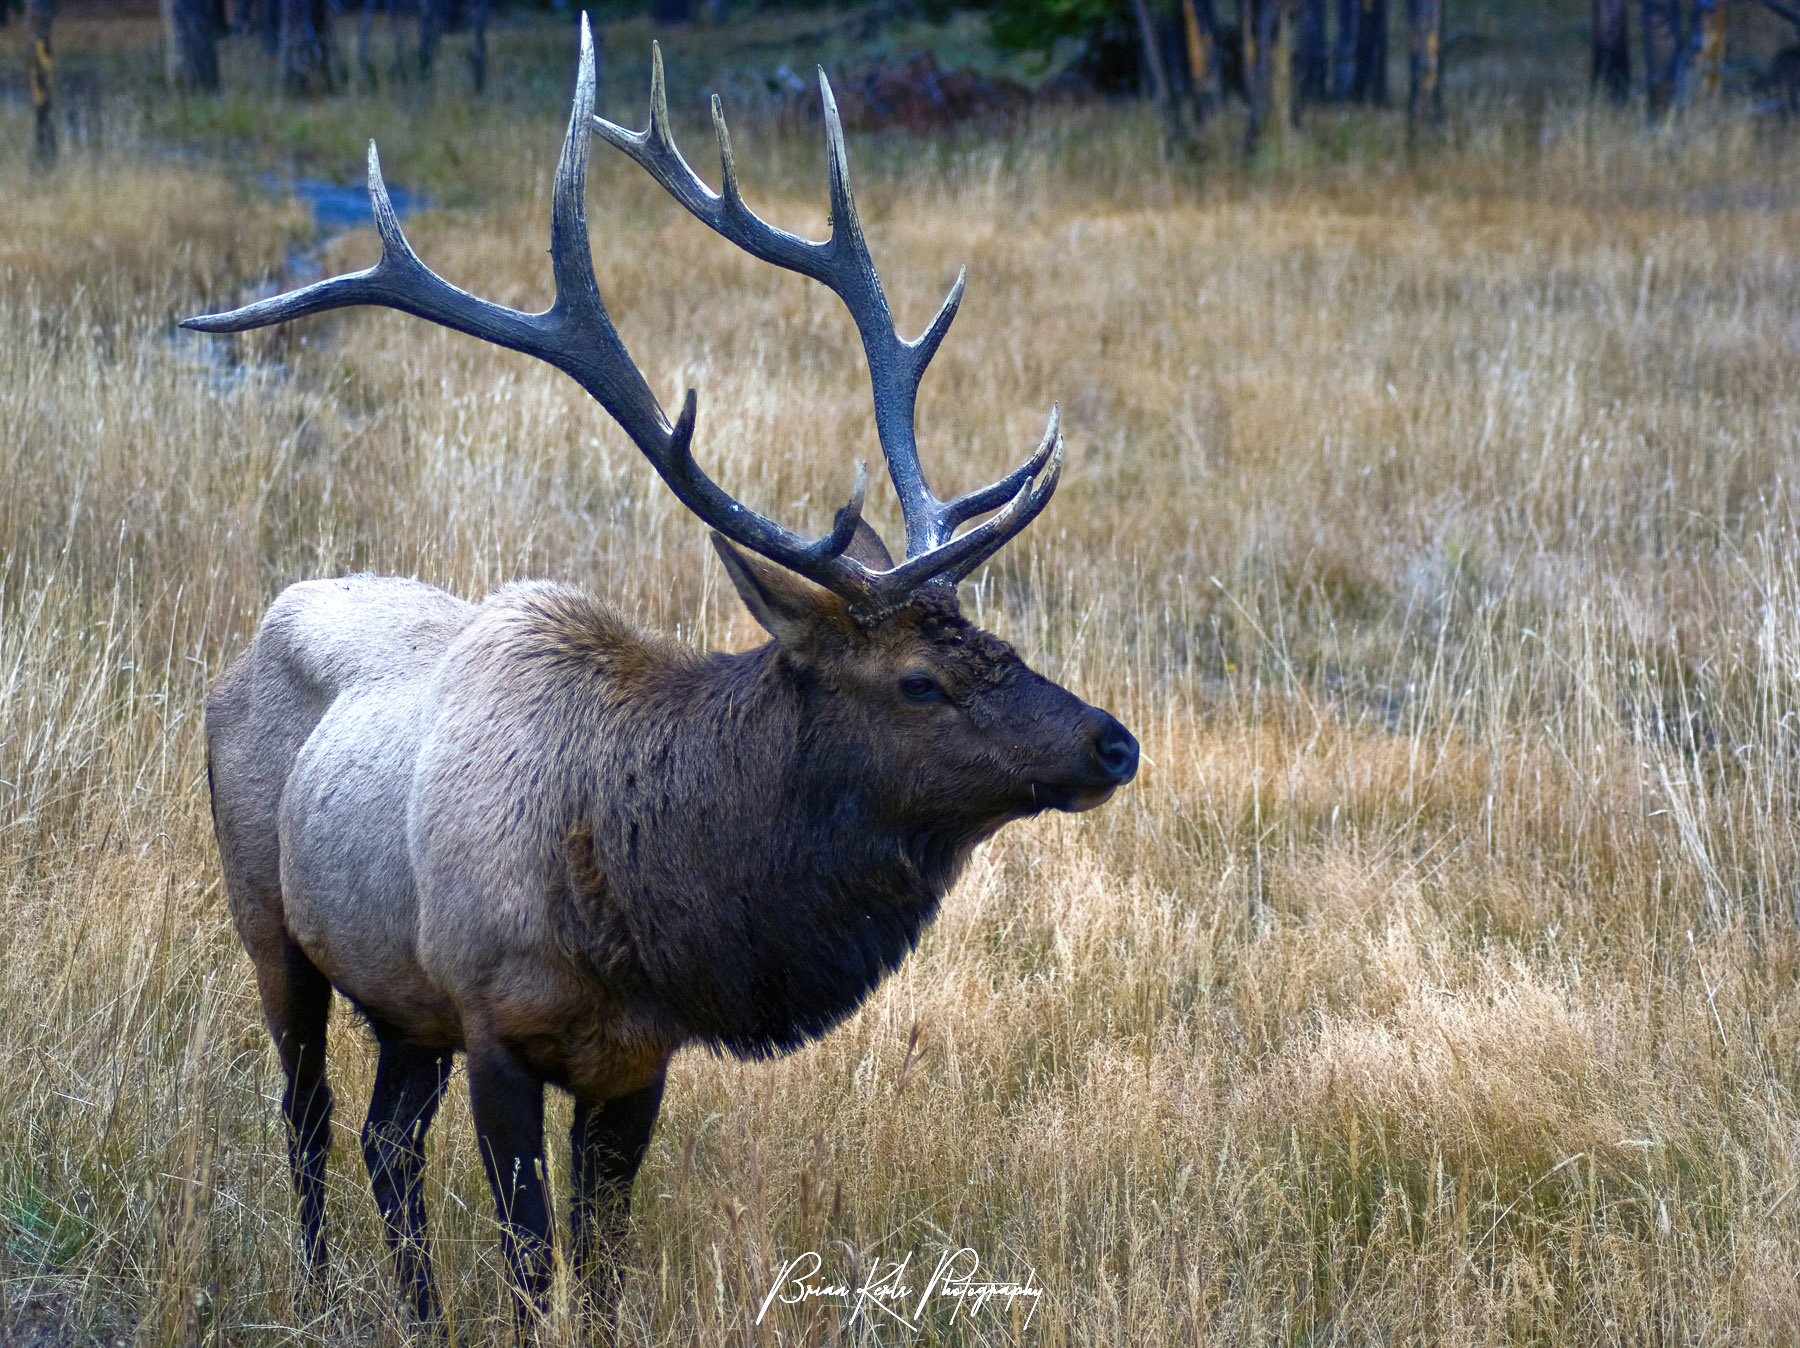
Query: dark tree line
(1683, 49)
(298, 35)
(1281, 54)
(1284, 54)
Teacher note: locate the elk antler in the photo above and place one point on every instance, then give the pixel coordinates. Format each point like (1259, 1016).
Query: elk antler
(842, 264)
(576, 336)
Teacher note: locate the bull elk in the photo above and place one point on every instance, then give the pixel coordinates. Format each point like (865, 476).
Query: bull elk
(526, 831)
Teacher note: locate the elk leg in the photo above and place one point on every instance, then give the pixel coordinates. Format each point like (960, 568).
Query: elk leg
(409, 1084)
(606, 1146)
(297, 1002)
(508, 1104)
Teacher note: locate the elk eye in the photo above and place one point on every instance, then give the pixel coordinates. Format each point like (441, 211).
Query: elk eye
(921, 688)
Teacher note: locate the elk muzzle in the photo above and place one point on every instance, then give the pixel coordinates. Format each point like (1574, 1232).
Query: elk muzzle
(1106, 759)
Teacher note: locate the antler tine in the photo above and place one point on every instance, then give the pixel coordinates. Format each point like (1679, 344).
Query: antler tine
(973, 503)
(728, 179)
(949, 563)
(925, 347)
(571, 255)
(846, 228)
(577, 337)
(896, 366)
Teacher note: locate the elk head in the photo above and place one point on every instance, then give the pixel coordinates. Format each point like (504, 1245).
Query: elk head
(944, 721)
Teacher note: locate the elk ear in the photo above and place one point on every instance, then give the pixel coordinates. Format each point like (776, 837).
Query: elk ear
(793, 611)
(866, 547)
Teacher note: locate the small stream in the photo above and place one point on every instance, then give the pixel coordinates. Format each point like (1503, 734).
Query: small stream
(337, 207)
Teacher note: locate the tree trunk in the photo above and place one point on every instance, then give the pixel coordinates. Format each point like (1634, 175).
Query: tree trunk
(190, 45)
(171, 44)
(1370, 82)
(1612, 50)
(1262, 20)
(431, 28)
(1284, 105)
(397, 38)
(1662, 53)
(319, 26)
(364, 27)
(1311, 67)
(1160, 89)
(40, 75)
(305, 47)
(268, 23)
(1424, 49)
(1249, 49)
(1343, 54)
(478, 48)
(293, 45)
(1201, 28)
(1709, 48)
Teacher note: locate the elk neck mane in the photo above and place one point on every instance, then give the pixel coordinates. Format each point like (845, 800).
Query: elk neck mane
(719, 868)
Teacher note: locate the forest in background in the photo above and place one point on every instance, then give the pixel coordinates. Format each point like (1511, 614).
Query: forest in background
(1191, 58)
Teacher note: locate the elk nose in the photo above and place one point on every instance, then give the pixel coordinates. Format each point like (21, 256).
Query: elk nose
(1117, 751)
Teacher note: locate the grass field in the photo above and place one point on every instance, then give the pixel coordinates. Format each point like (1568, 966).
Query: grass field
(1433, 522)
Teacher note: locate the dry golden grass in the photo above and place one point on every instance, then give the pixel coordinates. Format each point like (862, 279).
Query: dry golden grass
(1434, 527)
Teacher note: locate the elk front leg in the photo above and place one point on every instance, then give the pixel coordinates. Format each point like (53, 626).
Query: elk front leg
(606, 1146)
(507, 1101)
(409, 1083)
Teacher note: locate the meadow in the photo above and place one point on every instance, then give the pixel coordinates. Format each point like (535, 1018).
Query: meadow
(1431, 518)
